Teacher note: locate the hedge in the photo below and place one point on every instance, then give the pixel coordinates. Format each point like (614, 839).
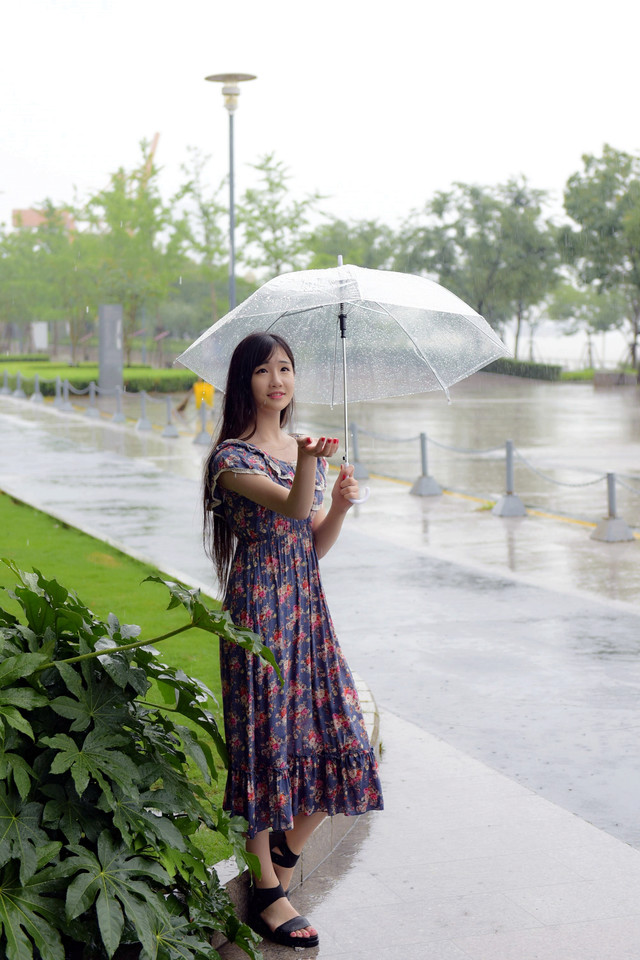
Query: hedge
(135, 379)
(521, 368)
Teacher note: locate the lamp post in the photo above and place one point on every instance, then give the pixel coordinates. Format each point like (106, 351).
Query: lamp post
(231, 92)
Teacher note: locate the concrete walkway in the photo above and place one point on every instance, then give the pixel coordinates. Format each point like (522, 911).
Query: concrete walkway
(508, 700)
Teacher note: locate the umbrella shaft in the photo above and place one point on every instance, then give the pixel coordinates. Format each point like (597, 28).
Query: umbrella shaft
(345, 401)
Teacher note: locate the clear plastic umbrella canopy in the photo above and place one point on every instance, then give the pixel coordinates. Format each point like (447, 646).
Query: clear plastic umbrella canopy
(383, 334)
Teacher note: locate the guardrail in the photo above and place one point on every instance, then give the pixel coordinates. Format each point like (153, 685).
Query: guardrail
(612, 529)
(63, 390)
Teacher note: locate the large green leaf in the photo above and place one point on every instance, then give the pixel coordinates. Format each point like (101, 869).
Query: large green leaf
(19, 667)
(115, 881)
(13, 765)
(100, 704)
(218, 622)
(20, 833)
(96, 757)
(28, 918)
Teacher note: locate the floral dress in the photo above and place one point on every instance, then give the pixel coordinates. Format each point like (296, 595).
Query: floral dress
(299, 747)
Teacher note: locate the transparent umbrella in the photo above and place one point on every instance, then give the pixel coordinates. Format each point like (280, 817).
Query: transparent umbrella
(405, 334)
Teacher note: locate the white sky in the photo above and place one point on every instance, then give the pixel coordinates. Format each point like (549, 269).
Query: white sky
(376, 105)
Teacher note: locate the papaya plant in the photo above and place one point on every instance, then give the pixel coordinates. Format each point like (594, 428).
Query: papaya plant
(98, 811)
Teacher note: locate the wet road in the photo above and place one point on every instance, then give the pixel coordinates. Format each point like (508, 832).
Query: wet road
(542, 684)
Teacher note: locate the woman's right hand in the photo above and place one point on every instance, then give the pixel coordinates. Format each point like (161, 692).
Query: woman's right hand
(321, 447)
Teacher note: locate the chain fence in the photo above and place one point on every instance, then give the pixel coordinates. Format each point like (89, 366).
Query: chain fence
(197, 420)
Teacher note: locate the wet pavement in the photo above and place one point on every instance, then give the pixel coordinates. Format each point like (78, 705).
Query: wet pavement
(505, 659)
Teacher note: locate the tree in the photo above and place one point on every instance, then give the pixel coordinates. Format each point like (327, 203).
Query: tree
(587, 310)
(604, 201)
(489, 245)
(141, 242)
(69, 263)
(22, 286)
(206, 237)
(366, 243)
(273, 224)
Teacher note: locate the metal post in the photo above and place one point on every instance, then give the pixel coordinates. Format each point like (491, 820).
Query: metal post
(66, 404)
(359, 470)
(36, 396)
(612, 529)
(611, 495)
(19, 393)
(510, 505)
(92, 410)
(203, 437)
(170, 430)
(6, 389)
(232, 221)
(143, 423)
(58, 398)
(118, 416)
(425, 486)
(510, 471)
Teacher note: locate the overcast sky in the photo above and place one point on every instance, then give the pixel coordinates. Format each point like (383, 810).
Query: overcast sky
(375, 105)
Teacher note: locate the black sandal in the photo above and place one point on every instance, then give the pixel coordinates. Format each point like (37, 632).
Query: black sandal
(286, 857)
(263, 898)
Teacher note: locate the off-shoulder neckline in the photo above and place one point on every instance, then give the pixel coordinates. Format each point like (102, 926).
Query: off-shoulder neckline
(247, 443)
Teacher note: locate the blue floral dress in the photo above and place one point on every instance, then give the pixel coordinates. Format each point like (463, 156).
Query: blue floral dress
(301, 747)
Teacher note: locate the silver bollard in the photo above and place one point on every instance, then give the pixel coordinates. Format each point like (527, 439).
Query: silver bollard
(612, 529)
(359, 470)
(5, 389)
(143, 423)
(425, 486)
(510, 505)
(118, 416)
(57, 402)
(92, 410)
(36, 396)
(67, 406)
(170, 430)
(19, 393)
(203, 437)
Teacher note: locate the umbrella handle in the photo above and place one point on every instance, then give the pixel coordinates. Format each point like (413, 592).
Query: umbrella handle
(366, 493)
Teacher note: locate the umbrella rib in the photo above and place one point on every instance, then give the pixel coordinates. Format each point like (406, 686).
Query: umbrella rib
(417, 348)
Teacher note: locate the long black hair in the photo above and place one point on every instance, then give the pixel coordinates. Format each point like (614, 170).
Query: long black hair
(238, 422)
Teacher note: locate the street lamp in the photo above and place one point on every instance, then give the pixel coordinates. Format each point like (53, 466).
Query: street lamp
(231, 92)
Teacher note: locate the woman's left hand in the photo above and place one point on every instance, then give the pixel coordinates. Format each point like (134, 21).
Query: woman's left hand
(345, 489)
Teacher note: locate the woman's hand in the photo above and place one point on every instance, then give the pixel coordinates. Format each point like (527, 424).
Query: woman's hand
(323, 447)
(345, 489)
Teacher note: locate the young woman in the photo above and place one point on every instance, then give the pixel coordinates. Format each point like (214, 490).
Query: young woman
(298, 750)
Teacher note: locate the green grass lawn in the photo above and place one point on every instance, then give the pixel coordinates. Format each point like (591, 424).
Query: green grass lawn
(109, 581)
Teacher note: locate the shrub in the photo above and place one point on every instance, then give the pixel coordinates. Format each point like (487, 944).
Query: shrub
(97, 810)
(134, 378)
(521, 368)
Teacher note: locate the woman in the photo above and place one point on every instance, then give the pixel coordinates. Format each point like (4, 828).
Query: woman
(298, 750)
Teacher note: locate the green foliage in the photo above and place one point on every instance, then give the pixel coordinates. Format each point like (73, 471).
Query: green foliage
(489, 245)
(365, 243)
(603, 200)
(273, 223)
(134, 378)
(140, 241)
(98, 813)
(24, 358)
(578, 376)
(520, 368)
